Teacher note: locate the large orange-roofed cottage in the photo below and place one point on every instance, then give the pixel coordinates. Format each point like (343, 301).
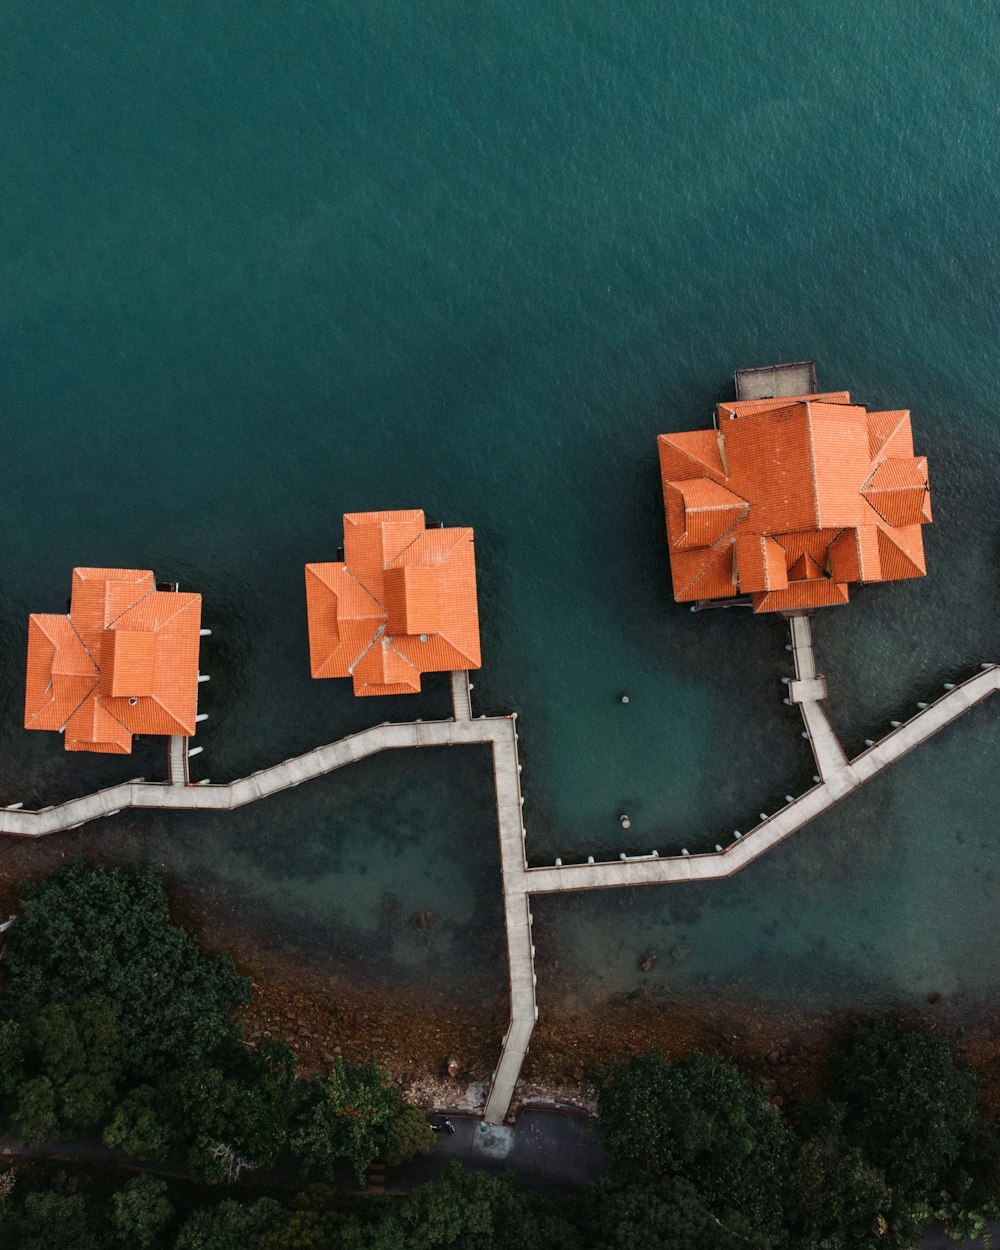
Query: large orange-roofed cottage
(788, 500)
(401, 602)
(123, 661)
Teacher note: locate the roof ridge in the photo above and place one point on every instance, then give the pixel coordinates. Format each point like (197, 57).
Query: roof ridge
(812, 464)
(104, 707)
(90, 654)
(402, 551)
(88, 695)
(405, 659)
(716, 553)
(904, 416)
(355, 578)
(454, 645)
(378, 634)
(160, 704)
(110, 624)
(695, 459)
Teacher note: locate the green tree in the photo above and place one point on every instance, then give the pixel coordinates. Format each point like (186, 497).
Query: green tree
(237, 1118)
(140, 1212)
(625, 1213)
(912, 1104)
(139, 1127)
(50, 1221)
(229, 1226)
(11, 1058)
(345, 1116)
(93, 931)
(459, 1208)
(841, 1201)
(312, 1222)
(537, 1223)
(35, 1117)
(72, 1050)
(408, 1135)
(700, 1119)
(75, 1045)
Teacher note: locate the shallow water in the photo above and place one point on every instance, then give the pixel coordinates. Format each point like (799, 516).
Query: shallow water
(260, 270)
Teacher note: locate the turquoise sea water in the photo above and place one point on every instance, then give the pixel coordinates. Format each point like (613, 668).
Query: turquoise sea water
(263, 265)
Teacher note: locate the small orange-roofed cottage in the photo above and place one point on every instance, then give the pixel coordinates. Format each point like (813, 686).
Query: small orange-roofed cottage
(788, 500)
(123, 661)
(401, 603)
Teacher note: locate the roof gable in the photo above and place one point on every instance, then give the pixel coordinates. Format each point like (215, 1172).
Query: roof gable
(809, 489)
(125, 661)
(416, 612)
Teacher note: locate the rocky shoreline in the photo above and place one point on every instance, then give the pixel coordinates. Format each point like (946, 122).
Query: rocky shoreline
(442, 1046)
(321, 1016)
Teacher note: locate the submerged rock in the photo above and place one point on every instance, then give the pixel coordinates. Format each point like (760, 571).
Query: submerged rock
(647, 961)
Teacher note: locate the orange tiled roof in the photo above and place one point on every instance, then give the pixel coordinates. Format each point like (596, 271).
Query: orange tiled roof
(123, 661)
(401, 603)
(788, 500)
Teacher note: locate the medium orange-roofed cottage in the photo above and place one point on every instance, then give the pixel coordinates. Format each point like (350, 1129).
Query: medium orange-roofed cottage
(123, 661)
(402, 602)
(788, 500)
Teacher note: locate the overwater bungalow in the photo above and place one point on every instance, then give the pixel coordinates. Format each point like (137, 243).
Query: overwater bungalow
(401, 602)
(789, 499)
(122, 661)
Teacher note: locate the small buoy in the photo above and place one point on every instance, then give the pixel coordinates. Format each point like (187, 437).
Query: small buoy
(624, 698)
(624, 821)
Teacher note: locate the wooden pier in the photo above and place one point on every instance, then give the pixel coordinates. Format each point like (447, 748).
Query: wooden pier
(839, 777)
(177, 761)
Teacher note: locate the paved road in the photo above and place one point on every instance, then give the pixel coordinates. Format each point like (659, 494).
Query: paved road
(550, 1151)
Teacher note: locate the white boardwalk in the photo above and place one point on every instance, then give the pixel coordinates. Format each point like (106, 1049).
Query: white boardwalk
(177, 761)
(839, 777)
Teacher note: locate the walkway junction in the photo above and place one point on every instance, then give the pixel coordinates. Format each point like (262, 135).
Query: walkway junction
(785, 501)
